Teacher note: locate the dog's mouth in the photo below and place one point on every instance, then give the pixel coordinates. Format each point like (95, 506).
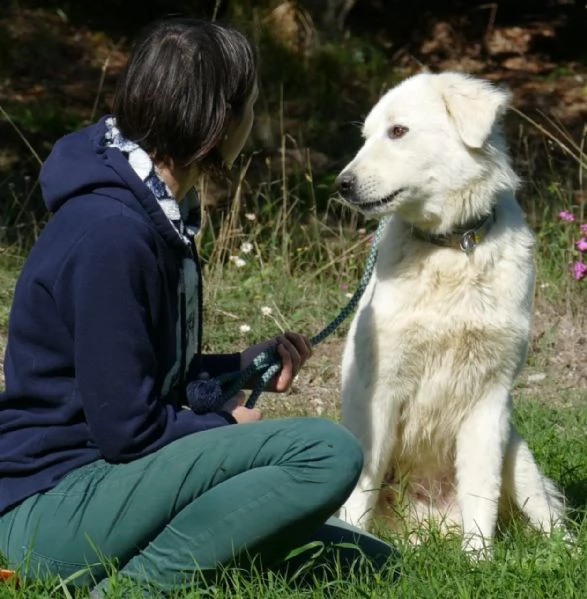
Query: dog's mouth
(376, 205)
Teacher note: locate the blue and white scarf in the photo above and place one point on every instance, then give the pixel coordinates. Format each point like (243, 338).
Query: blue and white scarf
(186, 221)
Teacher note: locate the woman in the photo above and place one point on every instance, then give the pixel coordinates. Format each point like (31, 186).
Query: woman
(100, 461)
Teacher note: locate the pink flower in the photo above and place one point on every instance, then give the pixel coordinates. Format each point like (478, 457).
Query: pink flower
(583, 228)
(579, 270)
(566, 215)
(582, 245)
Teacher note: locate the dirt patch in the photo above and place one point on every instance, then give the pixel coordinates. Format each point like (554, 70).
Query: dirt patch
(53, 77)
(45, 55)
(538, 51)
(558, 352)
(50, 64)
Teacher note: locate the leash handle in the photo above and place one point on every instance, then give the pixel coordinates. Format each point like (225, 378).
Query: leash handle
(267, 363)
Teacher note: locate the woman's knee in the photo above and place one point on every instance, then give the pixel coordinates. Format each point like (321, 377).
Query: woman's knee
(337, 447)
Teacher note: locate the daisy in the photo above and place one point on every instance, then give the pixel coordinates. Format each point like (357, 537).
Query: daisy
(238, 261)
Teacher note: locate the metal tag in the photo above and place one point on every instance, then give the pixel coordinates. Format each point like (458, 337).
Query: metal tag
(469, 241)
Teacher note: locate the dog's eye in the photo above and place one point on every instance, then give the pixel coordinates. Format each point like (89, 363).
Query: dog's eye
(397, 131)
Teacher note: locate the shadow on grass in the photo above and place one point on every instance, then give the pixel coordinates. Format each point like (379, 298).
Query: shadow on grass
(576, 494)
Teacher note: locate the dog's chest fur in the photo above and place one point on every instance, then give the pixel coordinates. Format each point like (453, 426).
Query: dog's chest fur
(436, 328)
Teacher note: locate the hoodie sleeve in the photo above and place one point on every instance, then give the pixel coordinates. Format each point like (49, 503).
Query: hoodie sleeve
(109, 291)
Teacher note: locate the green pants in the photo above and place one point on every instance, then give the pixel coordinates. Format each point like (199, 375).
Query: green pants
(216, 498)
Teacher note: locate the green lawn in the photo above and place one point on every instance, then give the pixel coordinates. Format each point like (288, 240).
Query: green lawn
(525, 565)
(300, 255)
(554, 423)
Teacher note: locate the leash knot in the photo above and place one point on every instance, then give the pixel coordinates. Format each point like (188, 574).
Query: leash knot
(204, 394)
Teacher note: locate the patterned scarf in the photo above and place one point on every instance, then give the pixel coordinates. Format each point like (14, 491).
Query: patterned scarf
(186, 221)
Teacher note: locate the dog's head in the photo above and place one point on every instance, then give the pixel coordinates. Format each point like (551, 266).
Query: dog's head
(433, 152)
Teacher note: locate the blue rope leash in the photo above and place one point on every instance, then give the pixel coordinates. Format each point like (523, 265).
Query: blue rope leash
(267, 364)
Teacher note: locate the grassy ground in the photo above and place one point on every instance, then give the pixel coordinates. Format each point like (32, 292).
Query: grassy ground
(301, 283)
(280, 260)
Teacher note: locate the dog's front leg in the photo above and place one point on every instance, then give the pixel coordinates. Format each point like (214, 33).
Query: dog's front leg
(481, 444)
(374, 423)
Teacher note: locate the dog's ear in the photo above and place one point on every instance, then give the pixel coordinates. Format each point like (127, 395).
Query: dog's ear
(474, 105)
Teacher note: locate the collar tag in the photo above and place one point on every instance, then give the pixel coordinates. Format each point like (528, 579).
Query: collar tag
(469, 241)
(465, 240)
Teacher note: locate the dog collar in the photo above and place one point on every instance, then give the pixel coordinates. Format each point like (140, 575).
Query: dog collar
(465, 239)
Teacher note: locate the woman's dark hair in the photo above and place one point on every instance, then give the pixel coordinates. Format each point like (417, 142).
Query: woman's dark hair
(183, 82)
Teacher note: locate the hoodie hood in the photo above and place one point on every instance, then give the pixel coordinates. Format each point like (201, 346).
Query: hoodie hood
(81, 164)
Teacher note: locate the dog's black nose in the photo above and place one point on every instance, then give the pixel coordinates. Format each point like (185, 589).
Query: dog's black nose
(345, 183)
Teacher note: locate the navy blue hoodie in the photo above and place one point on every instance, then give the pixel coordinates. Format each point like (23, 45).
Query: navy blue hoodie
(92, 331)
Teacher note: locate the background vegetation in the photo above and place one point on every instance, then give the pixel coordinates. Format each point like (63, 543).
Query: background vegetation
(281, 253)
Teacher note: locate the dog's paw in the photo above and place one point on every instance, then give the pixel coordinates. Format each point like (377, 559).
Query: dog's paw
(568, 539)
(477, 548)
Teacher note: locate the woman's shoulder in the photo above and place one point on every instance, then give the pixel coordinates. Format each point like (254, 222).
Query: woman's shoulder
(96, 216)
(96, 229)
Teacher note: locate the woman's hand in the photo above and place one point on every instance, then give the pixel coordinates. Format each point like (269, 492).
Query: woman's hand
(293, 349)
(239, 412)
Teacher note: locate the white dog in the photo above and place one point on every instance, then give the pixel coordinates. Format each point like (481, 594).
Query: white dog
(443, 327)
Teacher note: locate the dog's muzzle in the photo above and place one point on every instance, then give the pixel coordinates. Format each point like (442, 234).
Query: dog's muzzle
(346, 185)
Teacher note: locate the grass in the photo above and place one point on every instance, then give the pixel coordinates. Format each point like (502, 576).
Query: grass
(9, 268)
(302, 281)
(525, 563)
(285, 257)
(267, 268)
(10, 264)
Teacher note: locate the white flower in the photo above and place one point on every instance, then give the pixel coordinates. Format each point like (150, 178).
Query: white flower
(266, 311)
(319, 404)
(238, 261)
(244, 328)
(246, 247)
(348, 295)
(250, 216)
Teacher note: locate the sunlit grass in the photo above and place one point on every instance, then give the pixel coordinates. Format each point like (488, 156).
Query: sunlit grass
(269, 294)
(525, 564)
(285, 256)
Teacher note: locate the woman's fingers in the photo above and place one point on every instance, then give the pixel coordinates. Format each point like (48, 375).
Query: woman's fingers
(291, 348)
(234, 402)
(294, 349)
(302, 344)
(286, 374)
(242, 414)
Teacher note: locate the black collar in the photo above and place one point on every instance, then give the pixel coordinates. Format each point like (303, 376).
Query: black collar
(465, 238)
